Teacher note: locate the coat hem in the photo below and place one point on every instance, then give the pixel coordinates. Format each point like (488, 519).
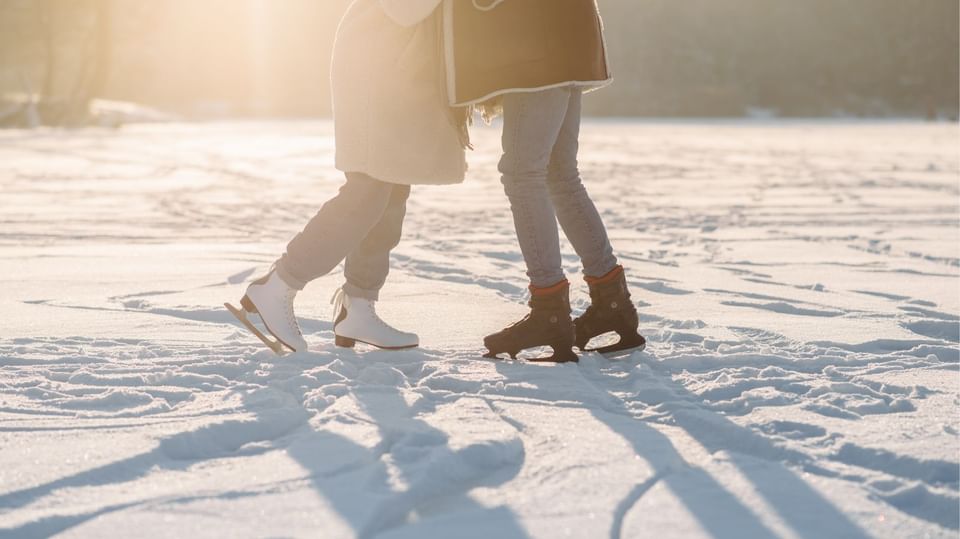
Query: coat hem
(425, 179)
(590, 85)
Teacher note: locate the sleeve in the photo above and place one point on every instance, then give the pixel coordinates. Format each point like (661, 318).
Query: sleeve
(409, 12)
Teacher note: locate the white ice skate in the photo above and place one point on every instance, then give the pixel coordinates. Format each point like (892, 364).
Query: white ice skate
(357, 321)
(272, 300)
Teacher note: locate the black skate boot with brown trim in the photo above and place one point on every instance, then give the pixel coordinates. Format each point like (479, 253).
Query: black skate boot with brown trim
(548, 324)
(610, 311)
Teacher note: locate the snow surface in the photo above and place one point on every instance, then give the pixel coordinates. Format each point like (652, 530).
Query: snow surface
(798, 283)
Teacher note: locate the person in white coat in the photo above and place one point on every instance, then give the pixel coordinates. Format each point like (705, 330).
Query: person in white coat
(393, 129)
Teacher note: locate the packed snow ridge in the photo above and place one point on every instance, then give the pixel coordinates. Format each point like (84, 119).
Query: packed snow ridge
(797, 282)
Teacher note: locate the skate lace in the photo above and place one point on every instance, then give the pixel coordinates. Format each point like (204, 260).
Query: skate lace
(379, 320)
(338, 300)
(289, 296)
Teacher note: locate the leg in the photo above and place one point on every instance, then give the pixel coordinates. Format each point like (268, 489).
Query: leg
(366, 269)
(336, 230)
(576, 212)
(611, 308)
(531, 124)
(367, 266)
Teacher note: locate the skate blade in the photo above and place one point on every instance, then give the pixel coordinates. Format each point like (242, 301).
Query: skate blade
(561, 357)
(556, 358)
(241, 315)
(497, 355)
(387, 348)
(620, 349)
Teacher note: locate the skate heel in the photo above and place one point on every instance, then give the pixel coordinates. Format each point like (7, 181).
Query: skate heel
(344, 342)
(248, 305)
(241, 316)
(582, 341)
(564, 354)
(632, 338)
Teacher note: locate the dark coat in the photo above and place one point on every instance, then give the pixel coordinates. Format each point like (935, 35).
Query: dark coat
(493, 47)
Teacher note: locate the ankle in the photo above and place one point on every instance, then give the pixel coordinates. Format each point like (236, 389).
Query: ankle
(549, 290)
(285, 277)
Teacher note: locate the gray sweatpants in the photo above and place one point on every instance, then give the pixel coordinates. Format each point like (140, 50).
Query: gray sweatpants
(363, 224)
(540, 175)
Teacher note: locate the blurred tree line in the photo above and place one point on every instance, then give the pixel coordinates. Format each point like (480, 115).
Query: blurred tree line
(57, 55)
(221, 58)
(785, 57)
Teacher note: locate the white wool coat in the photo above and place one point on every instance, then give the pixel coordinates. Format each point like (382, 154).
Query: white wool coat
(391, 116)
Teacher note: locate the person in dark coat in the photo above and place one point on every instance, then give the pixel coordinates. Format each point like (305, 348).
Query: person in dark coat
(534, 59)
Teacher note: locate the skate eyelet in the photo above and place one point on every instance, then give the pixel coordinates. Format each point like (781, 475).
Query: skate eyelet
(553, 319)
(613, 305)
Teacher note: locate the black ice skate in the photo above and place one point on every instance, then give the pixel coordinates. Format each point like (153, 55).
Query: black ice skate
(548, 324)
(610, 311)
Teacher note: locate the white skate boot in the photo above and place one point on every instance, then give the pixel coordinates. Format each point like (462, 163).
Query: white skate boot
(271, 299)
(357, 321)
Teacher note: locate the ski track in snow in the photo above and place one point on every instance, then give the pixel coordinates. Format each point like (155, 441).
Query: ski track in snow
(797, 283)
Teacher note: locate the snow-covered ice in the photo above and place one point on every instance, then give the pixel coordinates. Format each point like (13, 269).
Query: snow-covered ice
(798, 284)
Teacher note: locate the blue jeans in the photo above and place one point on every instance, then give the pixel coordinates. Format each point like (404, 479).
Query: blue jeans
(540, 177)
(363, 223)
